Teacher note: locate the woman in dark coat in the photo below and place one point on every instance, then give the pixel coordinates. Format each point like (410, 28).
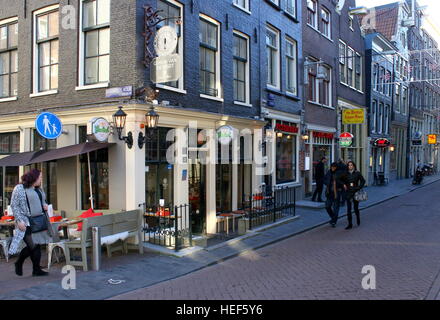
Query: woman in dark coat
(354, 182)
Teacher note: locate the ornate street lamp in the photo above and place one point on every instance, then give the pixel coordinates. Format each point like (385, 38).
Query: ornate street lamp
(119, 120)
(151, 122)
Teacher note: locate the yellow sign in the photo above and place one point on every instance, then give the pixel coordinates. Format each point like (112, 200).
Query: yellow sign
(353, 116)
(432, 139)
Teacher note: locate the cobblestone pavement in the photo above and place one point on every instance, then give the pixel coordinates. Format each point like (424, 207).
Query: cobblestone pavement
(400, 238)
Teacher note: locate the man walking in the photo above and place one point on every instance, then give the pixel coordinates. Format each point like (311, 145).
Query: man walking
(334, 181)
(342, 170)
(319, 178)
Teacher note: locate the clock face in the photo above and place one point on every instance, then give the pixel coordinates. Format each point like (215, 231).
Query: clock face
(165, 41)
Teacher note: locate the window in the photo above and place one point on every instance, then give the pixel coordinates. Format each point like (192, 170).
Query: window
(244, 4)
(312, 13)
(386, 119)
(209, 57)
(350, 68)
(380, 126)
(325, 23)
(404, 100)
(342, 62)
(397, 99)
(171, 8)
(382, 80)
(273, 57)
(312, 84)
(358, 72)
(9, 143)
(291, 7)
(350, 22)
(8, 59)
(96, 41)
(241, 68)
(46, 51)
(286, 157)
(291, 58)
(324, 86)
(374, 116)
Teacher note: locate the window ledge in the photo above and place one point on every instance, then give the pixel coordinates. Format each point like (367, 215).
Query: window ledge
(161, 86)
(276, 6)
(292, 96)
(242, 9)
(92, 86)
(243, 104)
(320, 105)
(273, 89)
(8, 99)
(291, 16)
(45, 93)
(211, 98)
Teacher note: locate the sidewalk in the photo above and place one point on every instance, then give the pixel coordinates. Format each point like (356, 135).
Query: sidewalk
(152, 268)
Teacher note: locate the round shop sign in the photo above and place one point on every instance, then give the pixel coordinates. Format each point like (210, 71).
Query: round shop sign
(346, 139)
(225, 134)
(100, 129)
(48, 125)
(165, 41)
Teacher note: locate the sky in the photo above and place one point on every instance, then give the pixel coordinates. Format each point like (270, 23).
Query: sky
(433, 13)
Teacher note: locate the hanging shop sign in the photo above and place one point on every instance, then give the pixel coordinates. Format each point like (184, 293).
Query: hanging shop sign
(381, 143)
(346, 139)
(286, 128)
(432, 139)
(99, 129)
(166, 68)
(326, 135)
(353, 116)
(48, 125)
(225, 134)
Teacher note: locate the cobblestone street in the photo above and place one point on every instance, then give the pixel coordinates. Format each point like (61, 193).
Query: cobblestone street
(399, 238)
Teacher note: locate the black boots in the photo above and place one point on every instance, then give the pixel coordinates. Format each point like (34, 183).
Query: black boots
(349, 227)
(358, 219)
(35, 255)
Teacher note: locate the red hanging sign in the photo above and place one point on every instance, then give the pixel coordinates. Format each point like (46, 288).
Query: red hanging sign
(323, 135)
(286, 128)
(381, 143)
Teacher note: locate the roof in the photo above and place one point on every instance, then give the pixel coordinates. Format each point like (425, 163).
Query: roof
(386, 20)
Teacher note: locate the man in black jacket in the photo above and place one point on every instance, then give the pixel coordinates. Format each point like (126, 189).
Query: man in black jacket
(319, 178)
(335, 183)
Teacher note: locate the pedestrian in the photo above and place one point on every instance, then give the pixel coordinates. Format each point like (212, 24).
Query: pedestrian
(342, 169)
(334, 181)
(29, 207)
(319, 178)
(354, 182)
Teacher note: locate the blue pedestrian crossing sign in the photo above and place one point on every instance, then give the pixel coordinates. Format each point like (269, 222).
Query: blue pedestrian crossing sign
(48, 125)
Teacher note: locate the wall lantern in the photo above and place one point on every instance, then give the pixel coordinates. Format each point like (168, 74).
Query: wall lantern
(119, 120)
(151, 122)
(392, 148)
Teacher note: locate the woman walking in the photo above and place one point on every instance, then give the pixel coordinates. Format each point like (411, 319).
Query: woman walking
(29, 207)
(355, 182)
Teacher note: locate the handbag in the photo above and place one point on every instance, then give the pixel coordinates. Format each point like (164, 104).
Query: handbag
(361, 195)
(37, 223)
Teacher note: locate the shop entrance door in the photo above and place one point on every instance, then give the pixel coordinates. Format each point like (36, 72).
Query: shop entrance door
(197, 195)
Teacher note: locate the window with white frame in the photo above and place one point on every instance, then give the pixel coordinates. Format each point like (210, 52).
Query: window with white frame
(312, 16)
(277, 2)
(241, 68)
(324, 86)
(291, 7)
(8, 58)
(273, 57)
(404, 100)
(312, 82)
(350, 66)
(380, 118)
(325, 23)
(209, 57)
(342, 62)
(46, 49)
(350, 22)
(386, 119)
(397, 99)
(244, 4)
(291, 65)
(358, 72)
(95, 44)
(173, 9)
(374, 116)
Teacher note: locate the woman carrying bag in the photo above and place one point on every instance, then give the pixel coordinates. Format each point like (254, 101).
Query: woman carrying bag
(354, 182)
(29, 206)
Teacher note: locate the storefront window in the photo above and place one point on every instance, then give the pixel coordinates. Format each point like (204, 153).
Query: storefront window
(99, 174)
(224, 178)
(159, 174)
(9, 143)
(320, 151)
(285, 157)
(244, 174)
